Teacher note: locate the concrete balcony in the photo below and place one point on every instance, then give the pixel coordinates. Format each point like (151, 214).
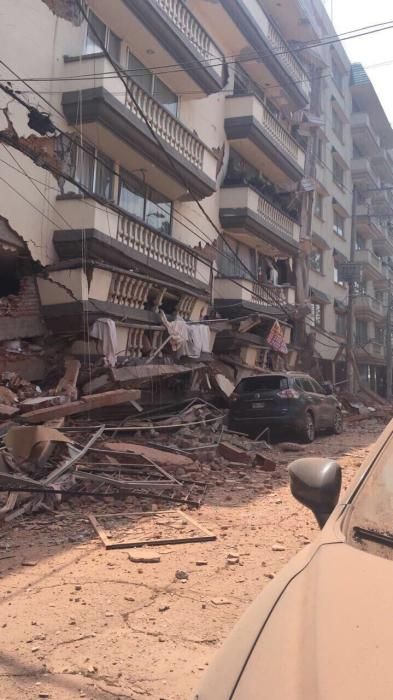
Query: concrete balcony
(261, 139)
(382, 201)
(126, 242)
(247, 28)
(366, 224)
(251, 296)
(383, 245)
(112, 119)
(370, 352)
(168, 31)
(363, 173)
(371, 264)
(363, 133)
(382, 164)
(252, 219)
(369, 308)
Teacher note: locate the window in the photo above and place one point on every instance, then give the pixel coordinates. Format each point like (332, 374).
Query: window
(379, 295)
(316, 259)
(336, 273)
(317, 387)
(305, 384)
(380, 334)
(316, 315)
(361, 332)
(337, 125)
(338, 173)
(341, 325)
(338, 224)
(360, 288)
(152, 85)
(262, 384)
(357, 152)
(318, 205)
(320, 150)
(144, 203)
(360, 243)
(98, 33)
(94, 171)
(337, 74)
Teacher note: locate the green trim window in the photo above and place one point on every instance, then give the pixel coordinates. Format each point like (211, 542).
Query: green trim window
(145, 203)
(97, 30)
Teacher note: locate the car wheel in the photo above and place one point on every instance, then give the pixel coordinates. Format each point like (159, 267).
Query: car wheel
(338, 425)
(308, 431)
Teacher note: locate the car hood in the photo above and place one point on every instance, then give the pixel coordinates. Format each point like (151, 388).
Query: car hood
(323, 631)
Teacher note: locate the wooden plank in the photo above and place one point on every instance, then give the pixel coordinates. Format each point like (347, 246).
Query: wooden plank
(88, 403)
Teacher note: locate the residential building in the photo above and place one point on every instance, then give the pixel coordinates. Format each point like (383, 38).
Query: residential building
(372, 172)
(177, 189)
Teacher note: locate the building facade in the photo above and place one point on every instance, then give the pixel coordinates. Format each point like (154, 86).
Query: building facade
(191, 140)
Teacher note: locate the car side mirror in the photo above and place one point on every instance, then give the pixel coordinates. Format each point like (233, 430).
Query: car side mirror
(316, 483)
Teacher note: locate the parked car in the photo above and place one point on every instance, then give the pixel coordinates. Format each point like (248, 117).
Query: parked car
(322, 629)
(284, 401)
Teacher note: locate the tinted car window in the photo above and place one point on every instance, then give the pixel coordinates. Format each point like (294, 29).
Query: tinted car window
(261, 384)
(305, 384)
(317, 387)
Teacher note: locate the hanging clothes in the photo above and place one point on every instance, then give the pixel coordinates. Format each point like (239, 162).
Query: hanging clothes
(104, 329)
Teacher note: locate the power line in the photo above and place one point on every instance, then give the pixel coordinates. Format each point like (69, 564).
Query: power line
(236, 58)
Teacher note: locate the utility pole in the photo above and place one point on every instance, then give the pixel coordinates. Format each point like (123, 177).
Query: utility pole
(351, 289)
(388, 345)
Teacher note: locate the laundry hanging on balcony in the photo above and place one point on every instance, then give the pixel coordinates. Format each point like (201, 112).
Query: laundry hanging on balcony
(104, 329)
(276, 339)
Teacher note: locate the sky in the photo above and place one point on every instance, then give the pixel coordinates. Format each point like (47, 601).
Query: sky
(369, 50)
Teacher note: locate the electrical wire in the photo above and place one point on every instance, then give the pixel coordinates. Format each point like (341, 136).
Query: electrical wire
(235, 58)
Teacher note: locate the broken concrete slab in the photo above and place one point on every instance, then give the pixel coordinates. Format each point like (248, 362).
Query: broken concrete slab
(267, 464)
(143, 556)
(151, 454)
(7, 397)
(41, 402)
(20, 441)
(88, 403)
(233, 453)
(8, 411)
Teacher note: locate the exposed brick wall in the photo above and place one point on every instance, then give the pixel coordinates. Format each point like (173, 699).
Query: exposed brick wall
(26, 303)
(66, 9)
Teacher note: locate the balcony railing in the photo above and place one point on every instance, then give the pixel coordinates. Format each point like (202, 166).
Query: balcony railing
(182, 18)
(361, 124)
(288, 61)
(165, 125)
(368, 305)
(275, 218)
(249, 291)
(367, 257)
(155, 246)
(147, 243)
(250, 106)
(128, 290)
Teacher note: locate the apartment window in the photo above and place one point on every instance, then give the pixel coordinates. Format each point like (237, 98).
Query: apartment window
(97, 34)
(337, 74)
(141, 201)
(360, 288)
(357, 152)
(152, 84)
(336, 273)
(337, 125)
(379, 296)
(320, 150)
(361, 332)
(316, 316)
(380, 334)
(316, 259)
(94, 171)
(318, 205)
(341, 325)
(338, 224)
(360, 243)
(338, 173)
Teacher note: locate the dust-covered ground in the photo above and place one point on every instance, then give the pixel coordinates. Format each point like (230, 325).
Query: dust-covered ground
(79, 621)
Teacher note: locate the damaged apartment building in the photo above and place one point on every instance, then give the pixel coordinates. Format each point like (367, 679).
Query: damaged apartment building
(158, 167)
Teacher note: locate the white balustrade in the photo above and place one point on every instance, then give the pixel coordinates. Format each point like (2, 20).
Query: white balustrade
(156, 247)
(288, 61)
(275, 218)
(184, 20)
(280, 135)
(166, 126)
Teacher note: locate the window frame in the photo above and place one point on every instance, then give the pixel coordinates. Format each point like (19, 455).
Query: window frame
(336, 226)
(343, 318)
(315, 251)
(314, 320)
(109, 34)
(318, 210)
(337, 125)
(339, 181)
(153, 80)
(147, 192)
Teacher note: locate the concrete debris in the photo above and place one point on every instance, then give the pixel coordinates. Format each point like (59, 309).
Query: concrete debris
(144, 557)
(88, 403)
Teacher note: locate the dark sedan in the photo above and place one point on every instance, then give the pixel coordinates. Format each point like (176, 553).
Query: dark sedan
(284, 402)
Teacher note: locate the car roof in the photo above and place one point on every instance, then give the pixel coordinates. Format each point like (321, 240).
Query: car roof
(278, 374)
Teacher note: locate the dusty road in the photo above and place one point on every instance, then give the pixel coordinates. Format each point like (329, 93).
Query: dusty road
(78, 621)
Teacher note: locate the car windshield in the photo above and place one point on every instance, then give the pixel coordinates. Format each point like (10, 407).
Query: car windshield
(371, 515)
(262, 384)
